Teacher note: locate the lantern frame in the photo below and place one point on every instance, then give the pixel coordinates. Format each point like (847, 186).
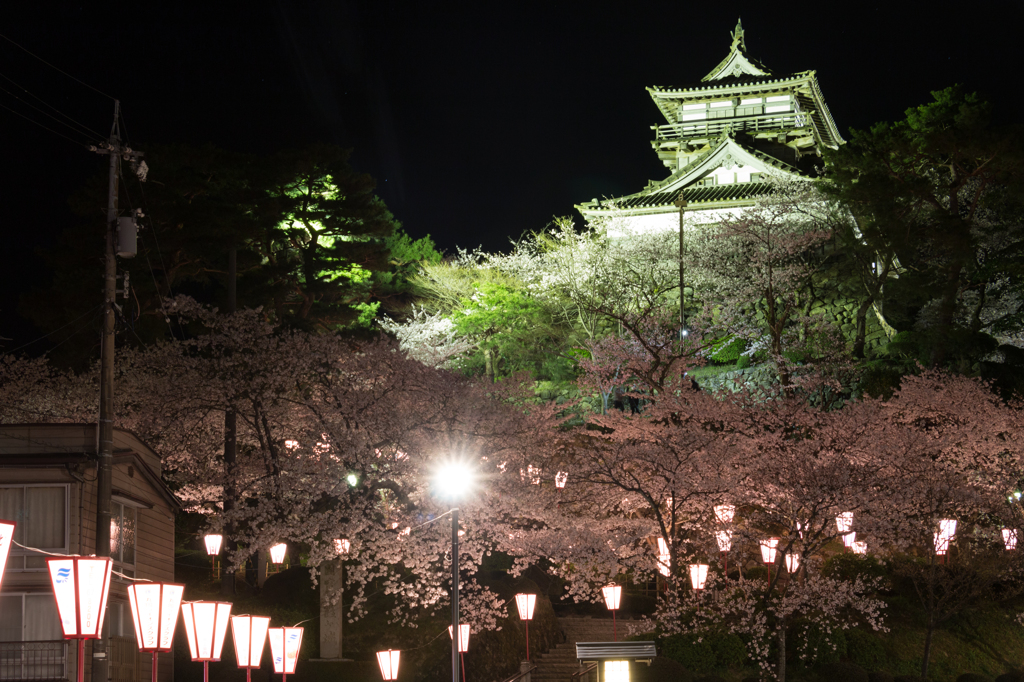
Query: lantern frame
(844, 522)
(212, 631)
(859, 547)
(944, 535)
(66, 573)
(246, 630)
(769, 550)
(849, 539)
(698, 576)
(612, 594)
(213, 543)
(388, 662)
(342, 546)
(160, 626)
(561, 478)
(525, 603)
(724, 540)
(463, 637)
(7, 529)
(792, 563)
(284, 648)
(724, 513)
(277, 553)
(1010, 538)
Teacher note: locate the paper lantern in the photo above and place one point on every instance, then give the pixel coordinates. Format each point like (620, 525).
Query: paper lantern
(859, 547)
(249, 634)
(388, 662)
(342, 546)
(6, 536)
(768, 550)
(792, 563)
(560, 478)
(664, 558)
(724, 513)
(80, 586)
(463, 637)
(942, 537)
(1010, 538)
(844, 522)
(277, 553)
(154, 608)
(849, 539)
(213, 543)
(525, 604)
(724, 540)
(284, 648)
(206, 623)
(612, 596)
(698, 575)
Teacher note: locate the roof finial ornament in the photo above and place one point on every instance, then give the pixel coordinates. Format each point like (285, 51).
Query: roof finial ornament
(738, 37)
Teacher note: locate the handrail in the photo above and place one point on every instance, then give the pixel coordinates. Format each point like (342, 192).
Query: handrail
(582, 671)
(522, 673)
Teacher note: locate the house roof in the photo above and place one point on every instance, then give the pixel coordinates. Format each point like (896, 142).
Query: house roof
(737, 63)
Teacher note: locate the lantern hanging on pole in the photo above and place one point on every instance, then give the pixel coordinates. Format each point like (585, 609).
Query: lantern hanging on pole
(664, 558)
(844, 522)
(1010, 538)
(277, 553)
(859, 547)
(342, 546)
(560, 478)
(463, 645)
(6, 537)
(945, 533)
(284, 649)
(724, 513)
(612, 596)
(792, 563)
(698, 576)
(80, 587)
(388, 662)
(525, 604)
(213, 543)
(768, 550)
(849, 539)
(154, 609)
(206, 623)
(249, 634)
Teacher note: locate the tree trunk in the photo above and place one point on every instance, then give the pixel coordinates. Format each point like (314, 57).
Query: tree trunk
(489, 364)
(862, 328)
(947, 311)
(780, 668)
(927, 648)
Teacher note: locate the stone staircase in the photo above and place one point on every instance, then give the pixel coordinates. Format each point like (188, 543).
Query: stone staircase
(559, 663)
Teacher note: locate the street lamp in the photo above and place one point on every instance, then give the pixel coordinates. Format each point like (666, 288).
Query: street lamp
(768, 550)
(612, 596)
(206, 623)
(388, 662)
(154, 609)
(698, 576)
(213, 543)
(525, 604)
(80, 587)
(453, 481)
(284, 649)
(277, 553)
(249, 634)
(463, 644)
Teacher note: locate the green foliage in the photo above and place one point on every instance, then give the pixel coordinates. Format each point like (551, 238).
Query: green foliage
(973, 677)
(849, 566)
(865, 649)
(730, 651)
(879, 676)
(661, 669)
(743, 362)
(822, 646)
(843, 672)
(692, 651)
(727, 350)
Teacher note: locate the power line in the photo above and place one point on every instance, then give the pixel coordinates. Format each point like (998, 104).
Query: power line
(74, 141)
(45, 103)
(88, 312)
(44, 113)
(78, 80)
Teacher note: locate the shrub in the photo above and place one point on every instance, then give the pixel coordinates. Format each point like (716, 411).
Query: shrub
(865, 650)
(907, 678)
(743, 362)
(973, 677)
(694, 655)
(880, 676)
(730, 651)
(661, 669)
(843, 672)
(820, 646)
(1011, 676)
(849, 566)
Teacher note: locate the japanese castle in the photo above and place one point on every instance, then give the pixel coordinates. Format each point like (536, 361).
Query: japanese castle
(721, 139)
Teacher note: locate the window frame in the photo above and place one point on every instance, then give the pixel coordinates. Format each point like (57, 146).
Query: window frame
(119, 563)
(20, 553)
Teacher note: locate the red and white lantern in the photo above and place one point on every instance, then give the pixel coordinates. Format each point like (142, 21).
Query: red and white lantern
(388, 662)
(342, 546)
(698, 575)
(768, 550)
(206, 623)
(792, 563)
(1010, 537)
(849, 539)
(213, 543)
(463, 637)
(560, 479)
(525, 604)
(277, 553)
(612, 596)
(249, 634)
(6, 537)
(154, 609)
(943, 536)
(724, 513)
(724, 540)
(284, 649)
(844, 522)
(859, 547)
(80, 587)
(664, 558)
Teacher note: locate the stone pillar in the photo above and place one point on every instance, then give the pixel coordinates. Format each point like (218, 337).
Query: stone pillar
(331, 615)
(525, 667)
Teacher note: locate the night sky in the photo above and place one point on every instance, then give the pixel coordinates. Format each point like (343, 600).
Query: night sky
(479, 120)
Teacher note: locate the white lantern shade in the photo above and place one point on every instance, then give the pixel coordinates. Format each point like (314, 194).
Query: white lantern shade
(859, 547)
(213, 543)
(698, 575)
(1010, 538)
(388, 662)
(942, 537)
(80, 586)
(724, 540)
(849, 539)
(284, 648)
(768, 550)
(560, 478)
(277, 553)
(724, 513)
(463, 636)
(612, 596)
(342, 546)
(249, 634)
(792, 563)
(664, 558)
(844, 522)
(525, 604)
(6, 536)
(154, 609)
(206, 623)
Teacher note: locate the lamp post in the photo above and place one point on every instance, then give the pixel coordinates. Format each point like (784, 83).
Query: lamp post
(154, 609)
(388, 662)
(681, 203)
(80, 586)
(213, 543)
(698, 576)
(525, 604)
(463, 645)
(284, 649)
(277, 553)
(249, 634)
(612, 596)
(454, 480)
(206, 623)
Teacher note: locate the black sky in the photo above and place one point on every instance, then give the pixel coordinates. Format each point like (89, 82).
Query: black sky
(479, 120)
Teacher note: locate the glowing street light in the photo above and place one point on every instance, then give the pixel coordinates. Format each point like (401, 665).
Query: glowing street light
(80, 587)
(206, 623)
(463, 645)
(1010, 537)
(388, 662)
(525, 604)
(612, 597)
(213, 543)
(768, 550)
(453, 481)
(154, 609)
(277, 553)
(698, 576)
(249, 634)
(284, 649)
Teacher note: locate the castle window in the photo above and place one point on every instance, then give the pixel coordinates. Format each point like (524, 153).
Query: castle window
(752, 100)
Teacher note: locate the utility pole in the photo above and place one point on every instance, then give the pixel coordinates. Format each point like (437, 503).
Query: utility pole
(105, 440)
(683, 332)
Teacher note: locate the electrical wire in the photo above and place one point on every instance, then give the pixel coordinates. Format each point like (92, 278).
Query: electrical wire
(16, 113)
(43, 551)
(78, 80)
(88, 312)
(81, 126)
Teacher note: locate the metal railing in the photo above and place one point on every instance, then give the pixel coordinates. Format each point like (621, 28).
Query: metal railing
(38, 660)
(523, 674)
(578, 676)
